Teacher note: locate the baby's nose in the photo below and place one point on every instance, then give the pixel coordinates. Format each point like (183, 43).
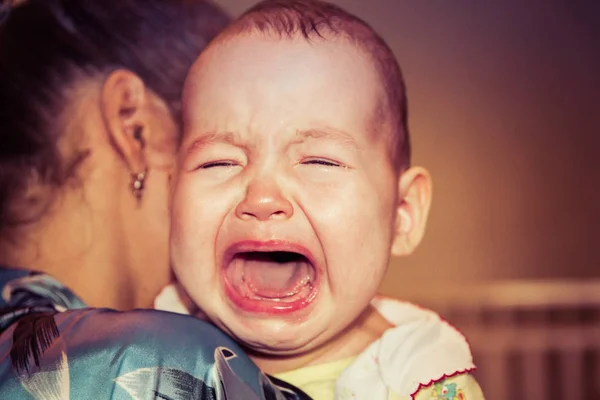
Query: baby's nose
(264, 201)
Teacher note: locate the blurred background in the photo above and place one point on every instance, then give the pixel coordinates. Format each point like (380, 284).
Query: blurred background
(504, 101)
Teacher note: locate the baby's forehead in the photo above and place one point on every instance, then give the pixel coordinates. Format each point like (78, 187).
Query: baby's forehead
(248, 48)
(263, 90)
(251, 64)
(282, 83)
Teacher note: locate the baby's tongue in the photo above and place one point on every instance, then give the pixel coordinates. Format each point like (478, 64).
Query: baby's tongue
(271, 275)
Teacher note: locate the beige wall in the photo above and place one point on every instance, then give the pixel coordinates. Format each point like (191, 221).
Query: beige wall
(504, 110)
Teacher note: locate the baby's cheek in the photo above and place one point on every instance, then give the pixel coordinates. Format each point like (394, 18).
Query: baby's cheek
(191, 202)
(353, 269)
(359, 253)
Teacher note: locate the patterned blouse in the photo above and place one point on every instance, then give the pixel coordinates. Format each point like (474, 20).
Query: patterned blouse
(53, 347)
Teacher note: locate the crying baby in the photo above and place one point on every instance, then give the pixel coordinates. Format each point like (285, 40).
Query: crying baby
(293, 187)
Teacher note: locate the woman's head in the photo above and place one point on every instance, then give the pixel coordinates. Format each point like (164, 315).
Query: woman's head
(90, 97)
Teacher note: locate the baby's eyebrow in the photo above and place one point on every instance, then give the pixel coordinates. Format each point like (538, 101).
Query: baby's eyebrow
(301, 136)
(327, 133)
(214, 137)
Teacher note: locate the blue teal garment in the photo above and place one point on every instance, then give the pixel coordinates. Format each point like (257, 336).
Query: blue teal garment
(52, 347)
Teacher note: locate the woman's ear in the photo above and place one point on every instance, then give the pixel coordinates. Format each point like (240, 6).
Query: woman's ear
(414, 201)
(123, 101)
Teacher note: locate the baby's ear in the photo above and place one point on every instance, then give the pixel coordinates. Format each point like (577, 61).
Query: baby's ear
(414, 201)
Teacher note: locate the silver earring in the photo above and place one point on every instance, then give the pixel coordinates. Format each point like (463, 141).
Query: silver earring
(138, 182)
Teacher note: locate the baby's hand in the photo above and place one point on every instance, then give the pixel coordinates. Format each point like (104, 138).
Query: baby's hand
(172, 298)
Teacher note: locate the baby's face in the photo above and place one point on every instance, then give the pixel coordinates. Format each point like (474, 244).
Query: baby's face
(285, 198)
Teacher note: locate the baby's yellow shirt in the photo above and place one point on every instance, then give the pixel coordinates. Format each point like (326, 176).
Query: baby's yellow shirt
(317, 381)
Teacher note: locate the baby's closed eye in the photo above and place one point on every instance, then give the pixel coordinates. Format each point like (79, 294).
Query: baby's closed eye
(322, 161)
(220, 163)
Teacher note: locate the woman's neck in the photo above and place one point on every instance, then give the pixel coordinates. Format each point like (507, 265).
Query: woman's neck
(85, 248)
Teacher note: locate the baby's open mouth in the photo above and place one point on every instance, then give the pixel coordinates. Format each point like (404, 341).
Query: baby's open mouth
(280, 276)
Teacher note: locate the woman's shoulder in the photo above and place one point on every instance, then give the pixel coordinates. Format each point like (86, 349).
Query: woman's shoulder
(51, 343)
(101, 353)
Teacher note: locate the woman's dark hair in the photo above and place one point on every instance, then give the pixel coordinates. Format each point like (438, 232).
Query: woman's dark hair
(48, 46)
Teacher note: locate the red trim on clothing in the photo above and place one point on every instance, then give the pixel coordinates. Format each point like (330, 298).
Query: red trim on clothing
(444, 377)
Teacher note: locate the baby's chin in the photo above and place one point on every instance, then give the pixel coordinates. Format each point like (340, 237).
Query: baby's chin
(275, 337)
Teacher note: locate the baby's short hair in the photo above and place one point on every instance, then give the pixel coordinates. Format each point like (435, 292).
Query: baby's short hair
(315, 19)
